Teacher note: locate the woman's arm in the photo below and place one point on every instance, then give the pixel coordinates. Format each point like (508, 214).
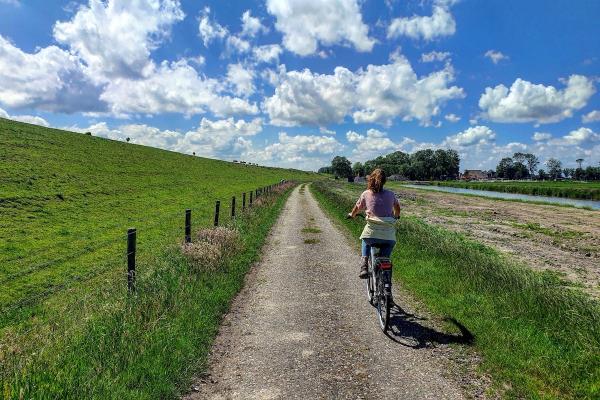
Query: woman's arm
(355, 210)
(397, 209)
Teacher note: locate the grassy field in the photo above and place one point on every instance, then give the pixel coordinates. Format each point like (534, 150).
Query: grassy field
(538, 339)
(67, 327)
(573, 190)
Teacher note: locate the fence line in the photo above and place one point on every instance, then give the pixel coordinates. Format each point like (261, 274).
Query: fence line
(130, 253)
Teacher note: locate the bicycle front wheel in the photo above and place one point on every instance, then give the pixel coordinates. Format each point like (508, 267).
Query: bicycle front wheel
(370, 285)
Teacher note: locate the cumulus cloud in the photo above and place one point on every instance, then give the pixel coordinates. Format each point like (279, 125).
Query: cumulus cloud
(592, 116)
(212, 138)
(580, 137)
(173, 87)
(495, 56)
(434, 56)
(377, 94)
(115, 38)
(541, 136)
(373, 144)
(440, 23)
(452, 118)
(475, 135)
(241, 78)
(30, 119)
(307, 23)
(268, 53)
(303, 97)
(251, 26)
(50, 79)
(528, 102)
(299, 151)
(210, 30)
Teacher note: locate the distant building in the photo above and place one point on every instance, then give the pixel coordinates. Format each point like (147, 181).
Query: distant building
(474, 174)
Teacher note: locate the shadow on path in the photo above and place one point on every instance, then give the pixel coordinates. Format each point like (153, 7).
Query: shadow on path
(406, 330)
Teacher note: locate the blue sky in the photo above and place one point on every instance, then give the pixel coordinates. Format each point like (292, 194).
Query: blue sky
(294, 82)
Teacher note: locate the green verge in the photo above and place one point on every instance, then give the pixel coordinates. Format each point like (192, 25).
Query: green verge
(573, 190)
(146, 346)
(538, 339)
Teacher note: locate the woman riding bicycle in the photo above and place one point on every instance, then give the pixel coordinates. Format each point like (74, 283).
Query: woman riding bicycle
(382, 209)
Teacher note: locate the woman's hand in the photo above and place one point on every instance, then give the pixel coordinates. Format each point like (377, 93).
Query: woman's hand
(349, 216)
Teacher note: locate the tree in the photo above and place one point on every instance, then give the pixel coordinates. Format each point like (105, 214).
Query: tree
(358, 169)
(569, 172)
(88, 133)
(519, 157)
(128, 139)
(193, 153)
(532, 163)
(579, 161)
(542, 175)
(554, 168)
(505, 168)
(326, 170)
(520, 171)
(341, 167)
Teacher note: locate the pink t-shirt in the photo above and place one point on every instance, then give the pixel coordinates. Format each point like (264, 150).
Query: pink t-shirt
(377, 204)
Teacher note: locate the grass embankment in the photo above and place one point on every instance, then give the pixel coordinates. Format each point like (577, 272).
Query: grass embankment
(538, 339)
(67, 326)
(572, 190)
(68, 198)
(142, 346)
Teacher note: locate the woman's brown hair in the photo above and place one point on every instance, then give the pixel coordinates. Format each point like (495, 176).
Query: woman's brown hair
(376, 180)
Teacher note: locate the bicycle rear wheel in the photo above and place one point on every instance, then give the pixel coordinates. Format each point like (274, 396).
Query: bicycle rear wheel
(370, 284)
(384, 302)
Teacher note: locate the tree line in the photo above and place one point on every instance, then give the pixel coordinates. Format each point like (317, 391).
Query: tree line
(523, 166)
(422, 165)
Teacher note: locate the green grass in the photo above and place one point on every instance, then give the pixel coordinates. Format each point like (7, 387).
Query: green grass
(63, 193)
(67, 327)
(538, 339)
(311, 230)
(573, 190)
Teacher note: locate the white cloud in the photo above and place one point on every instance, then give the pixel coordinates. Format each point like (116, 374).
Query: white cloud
(476, 135)
(217, 139)
(371, 145)
(378, 94)
(115, 38)
(251, 26)
(541, 136)
(268, 53)
(434, 56)
(210, 30)
(580, 137)
(592, 116)
(49, 79)
(30, 119)
(173, 87)
(302, 97)
(385, 92)
(241, 78)
(308, 152)
(452, 118)
(495, 56)
(306, 23)
(237, 44)
(528, 102)
(10, 2)
(440, 23)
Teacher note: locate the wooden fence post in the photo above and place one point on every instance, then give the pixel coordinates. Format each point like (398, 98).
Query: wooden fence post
(217, 206)
(131, 248)
(188, 226)
(251, 193)
(233, 207)
(243, 201)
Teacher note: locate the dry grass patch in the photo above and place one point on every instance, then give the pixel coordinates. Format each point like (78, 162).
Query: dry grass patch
(212, 246)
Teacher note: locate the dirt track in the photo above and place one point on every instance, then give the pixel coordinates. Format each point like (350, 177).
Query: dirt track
(302, 328)
(564, 240)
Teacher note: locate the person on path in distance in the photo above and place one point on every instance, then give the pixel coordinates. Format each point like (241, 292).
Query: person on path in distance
(382, 209)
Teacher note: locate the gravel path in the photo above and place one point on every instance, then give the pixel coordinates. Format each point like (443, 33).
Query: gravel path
(302, 328)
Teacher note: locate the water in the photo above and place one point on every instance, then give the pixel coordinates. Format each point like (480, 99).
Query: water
(594, 204)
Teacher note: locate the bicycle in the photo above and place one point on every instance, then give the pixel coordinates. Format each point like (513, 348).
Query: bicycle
(379, 285)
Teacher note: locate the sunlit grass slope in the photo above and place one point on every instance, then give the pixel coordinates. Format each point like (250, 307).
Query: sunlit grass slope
(69, 198)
